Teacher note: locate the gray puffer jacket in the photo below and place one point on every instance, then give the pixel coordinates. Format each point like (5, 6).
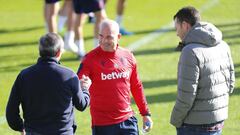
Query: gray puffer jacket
(205, 77)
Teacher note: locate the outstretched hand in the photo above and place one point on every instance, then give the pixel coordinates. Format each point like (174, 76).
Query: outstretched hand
(85, 82)
(23, 132)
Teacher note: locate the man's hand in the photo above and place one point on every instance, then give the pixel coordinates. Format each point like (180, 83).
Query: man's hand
(147, 123)
(23, 132)
(85, 82)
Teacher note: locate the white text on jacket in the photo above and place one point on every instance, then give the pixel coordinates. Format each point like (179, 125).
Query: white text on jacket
(115, 75)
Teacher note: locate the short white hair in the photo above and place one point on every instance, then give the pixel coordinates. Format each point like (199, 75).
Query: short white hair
(109, 23)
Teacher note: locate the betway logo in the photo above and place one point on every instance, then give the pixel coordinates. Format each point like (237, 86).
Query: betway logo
(115, 75)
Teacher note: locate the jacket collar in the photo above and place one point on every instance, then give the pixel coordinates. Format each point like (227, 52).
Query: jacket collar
(48, 60)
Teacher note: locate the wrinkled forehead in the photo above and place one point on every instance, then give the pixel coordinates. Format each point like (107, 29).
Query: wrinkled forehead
(109, 26)
(108, 30)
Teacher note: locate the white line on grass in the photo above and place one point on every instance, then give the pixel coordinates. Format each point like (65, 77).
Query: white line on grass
(208, 5)
(156, 34)
(150, 37)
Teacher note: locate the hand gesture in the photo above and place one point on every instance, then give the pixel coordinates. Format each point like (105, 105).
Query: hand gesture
(23, 132)
(85, 82)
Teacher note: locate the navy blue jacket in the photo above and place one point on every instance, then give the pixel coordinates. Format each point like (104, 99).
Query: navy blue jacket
(48, 94)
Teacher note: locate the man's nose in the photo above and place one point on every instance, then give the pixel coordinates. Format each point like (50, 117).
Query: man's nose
(104, 40)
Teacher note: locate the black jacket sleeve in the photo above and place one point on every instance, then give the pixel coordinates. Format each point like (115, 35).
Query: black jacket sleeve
(81, 97)
(12, 110)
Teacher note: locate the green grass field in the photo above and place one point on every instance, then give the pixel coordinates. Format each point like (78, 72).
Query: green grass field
(21, 25)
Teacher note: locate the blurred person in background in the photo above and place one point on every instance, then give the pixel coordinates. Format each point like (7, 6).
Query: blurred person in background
(120, 7)
(51, 8)
(63, 14)
(51, 12)
(119, 18)
(81, 8)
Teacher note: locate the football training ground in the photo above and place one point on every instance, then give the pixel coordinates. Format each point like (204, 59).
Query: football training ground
(154, 41)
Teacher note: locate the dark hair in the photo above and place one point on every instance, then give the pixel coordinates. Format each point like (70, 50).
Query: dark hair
(50, 44)
(188, 14)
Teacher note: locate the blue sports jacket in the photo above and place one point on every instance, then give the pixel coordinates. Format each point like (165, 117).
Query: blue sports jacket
(47, 93)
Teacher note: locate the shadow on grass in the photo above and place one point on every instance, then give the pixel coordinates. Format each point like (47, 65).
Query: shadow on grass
(237, 65)
(236, 91)
(171, 97)
(13, 57)
(231, 43)
(232, 36)
(159, 98)
(237, 74)
(230, 30)
(24, 29)
(159, 83)
(154, 51)
(17, 44)
(228, 24)
(16, 68)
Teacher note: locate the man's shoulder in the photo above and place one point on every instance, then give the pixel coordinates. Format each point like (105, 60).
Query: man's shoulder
(194, 48)
(92, 56)
(124, 49)
(65, 69)
(197, 48)
(193, 45)
(28, 69)
(92, 53)
(124, 52)
(64, 72)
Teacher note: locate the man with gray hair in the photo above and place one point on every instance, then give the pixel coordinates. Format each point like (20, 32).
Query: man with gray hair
(47, 93)
(205, 76)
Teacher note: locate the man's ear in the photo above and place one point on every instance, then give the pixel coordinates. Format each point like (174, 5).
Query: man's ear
(58, 53)
(119, 36)
(186, 25)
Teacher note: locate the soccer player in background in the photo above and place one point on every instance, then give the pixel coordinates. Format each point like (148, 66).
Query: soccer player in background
(113, 72)
(51, 10)
(120, 7)
(82, 8)
(119, 17)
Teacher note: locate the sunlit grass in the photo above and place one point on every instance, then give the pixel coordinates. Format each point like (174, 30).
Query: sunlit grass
(21, 25)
